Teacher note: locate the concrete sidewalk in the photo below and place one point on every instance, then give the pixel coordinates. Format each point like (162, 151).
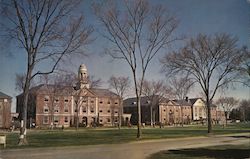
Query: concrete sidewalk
(133, 150)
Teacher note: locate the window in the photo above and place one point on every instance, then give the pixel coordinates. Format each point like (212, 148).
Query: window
(164, 110)
(108, 102)
(116, 112)
(56, 110)
(101, 102)
(66, 108)
(92, 110)
(56, 120)
(66, 100)
(108, 120)
(84, 109)
(45, 120)
(92, 101)
(100, 111)
(100, 121)
(46, 98)
(66, 119)
(46, 109)
(116, 102)
(108, 111)
(56, 100)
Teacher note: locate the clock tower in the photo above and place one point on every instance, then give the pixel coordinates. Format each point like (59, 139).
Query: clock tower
(83, 76)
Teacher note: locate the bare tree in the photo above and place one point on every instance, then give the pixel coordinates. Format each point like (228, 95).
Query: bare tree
(245, 68)
(79, 100)
(244, 109)
(155, 91)
(211, 61)
(56, 84)
(136, 32)
(20, 80)
(181, 87)
(93, 82)
(47, 32)
(121, 85)
(227, 104)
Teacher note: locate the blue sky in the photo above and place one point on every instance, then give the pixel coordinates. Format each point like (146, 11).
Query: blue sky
(195, 16)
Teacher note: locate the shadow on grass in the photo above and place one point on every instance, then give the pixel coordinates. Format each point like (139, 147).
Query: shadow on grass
(242, 136)
(228, 153)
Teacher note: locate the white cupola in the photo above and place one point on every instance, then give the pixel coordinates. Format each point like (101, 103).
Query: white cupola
(83, 76)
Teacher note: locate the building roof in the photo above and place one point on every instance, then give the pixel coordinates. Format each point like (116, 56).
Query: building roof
(131, 102)
(69, 90)
(193, 100)
(103, 92)
(2, 95)
(183, 102)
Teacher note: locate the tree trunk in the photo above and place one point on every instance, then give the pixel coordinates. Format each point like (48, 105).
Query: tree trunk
(77, 119)
(22, 137)
(120, 114)
(226, 114)
(182, 116)
(151, 115)
(209, 121)
(139, 117)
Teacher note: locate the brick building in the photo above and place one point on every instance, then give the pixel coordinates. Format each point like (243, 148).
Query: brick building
(61, 106)
(5, 110)
(169, 112)
(175, 112)
(199, 111)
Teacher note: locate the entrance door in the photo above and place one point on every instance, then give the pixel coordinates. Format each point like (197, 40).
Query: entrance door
(84, 121)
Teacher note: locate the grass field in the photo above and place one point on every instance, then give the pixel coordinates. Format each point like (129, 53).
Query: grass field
(215, 152)
(93, 136)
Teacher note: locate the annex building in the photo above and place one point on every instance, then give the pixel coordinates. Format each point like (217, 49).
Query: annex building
(171, 112)
(63, 105)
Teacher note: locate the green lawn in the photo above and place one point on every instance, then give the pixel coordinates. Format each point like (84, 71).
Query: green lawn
(215, 152)
(93, 136)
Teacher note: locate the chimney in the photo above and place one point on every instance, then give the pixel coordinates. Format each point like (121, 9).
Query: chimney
(186, 99)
